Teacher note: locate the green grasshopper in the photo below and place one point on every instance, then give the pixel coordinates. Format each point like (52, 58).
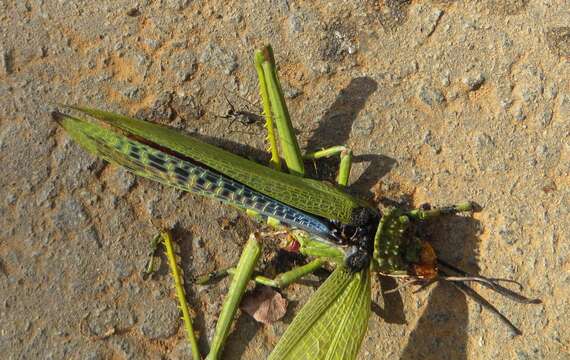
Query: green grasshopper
(322, 221)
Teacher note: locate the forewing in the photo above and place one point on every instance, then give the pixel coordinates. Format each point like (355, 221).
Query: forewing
(309, 195)
(173, 169)
(111, 146)
(333, 322)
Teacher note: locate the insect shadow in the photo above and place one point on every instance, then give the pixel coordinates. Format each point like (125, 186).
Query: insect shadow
(441, 331)
(334, 129)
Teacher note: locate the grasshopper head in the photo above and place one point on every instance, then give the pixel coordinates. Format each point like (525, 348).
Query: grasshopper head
(400, 252)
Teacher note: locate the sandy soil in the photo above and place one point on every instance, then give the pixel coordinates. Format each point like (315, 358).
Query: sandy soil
(441, 101)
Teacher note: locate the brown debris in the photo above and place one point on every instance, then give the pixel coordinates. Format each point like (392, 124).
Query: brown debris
(265, 305)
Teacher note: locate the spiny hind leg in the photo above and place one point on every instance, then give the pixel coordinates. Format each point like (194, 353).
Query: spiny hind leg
(242, 274)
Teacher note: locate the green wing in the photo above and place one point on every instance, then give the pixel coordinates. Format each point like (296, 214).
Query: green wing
(309, 195)
(332, 323)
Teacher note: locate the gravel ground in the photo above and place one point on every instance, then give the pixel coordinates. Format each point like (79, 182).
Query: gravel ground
(441, 101)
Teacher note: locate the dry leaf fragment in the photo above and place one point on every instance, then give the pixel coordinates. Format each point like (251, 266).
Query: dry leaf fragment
(265, 305)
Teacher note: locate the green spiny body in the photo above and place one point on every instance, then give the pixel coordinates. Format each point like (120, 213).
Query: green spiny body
(388, 250)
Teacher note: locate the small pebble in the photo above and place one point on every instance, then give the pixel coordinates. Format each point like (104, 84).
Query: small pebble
(70, 216)
(132, 93)
(546, 117)
(219, 58)
(162, 321)
(291, 92)
(295, 24)
(133, 12)
(430, 96)
(519, 114)
(6, 61)
(363, 126)
(474, 82)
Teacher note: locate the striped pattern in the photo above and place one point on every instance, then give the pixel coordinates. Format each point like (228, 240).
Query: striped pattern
(178, 171)
(311, 196)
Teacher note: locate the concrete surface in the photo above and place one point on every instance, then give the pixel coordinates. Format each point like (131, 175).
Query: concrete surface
(442, 101)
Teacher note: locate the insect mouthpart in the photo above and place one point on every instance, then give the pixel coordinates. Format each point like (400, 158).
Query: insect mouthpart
(363, 225)
(362, 239)
(356, 259)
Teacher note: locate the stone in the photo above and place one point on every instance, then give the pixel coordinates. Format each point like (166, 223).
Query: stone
(295, 25)
(162, 321)
(430, 95)
(474, 82)
(215, 56)
(363, 126)
(558, 39)
(122, 181)
(6, 61)
(70, 216)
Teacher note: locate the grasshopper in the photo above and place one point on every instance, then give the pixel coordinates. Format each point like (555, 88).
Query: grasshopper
(324, 222)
